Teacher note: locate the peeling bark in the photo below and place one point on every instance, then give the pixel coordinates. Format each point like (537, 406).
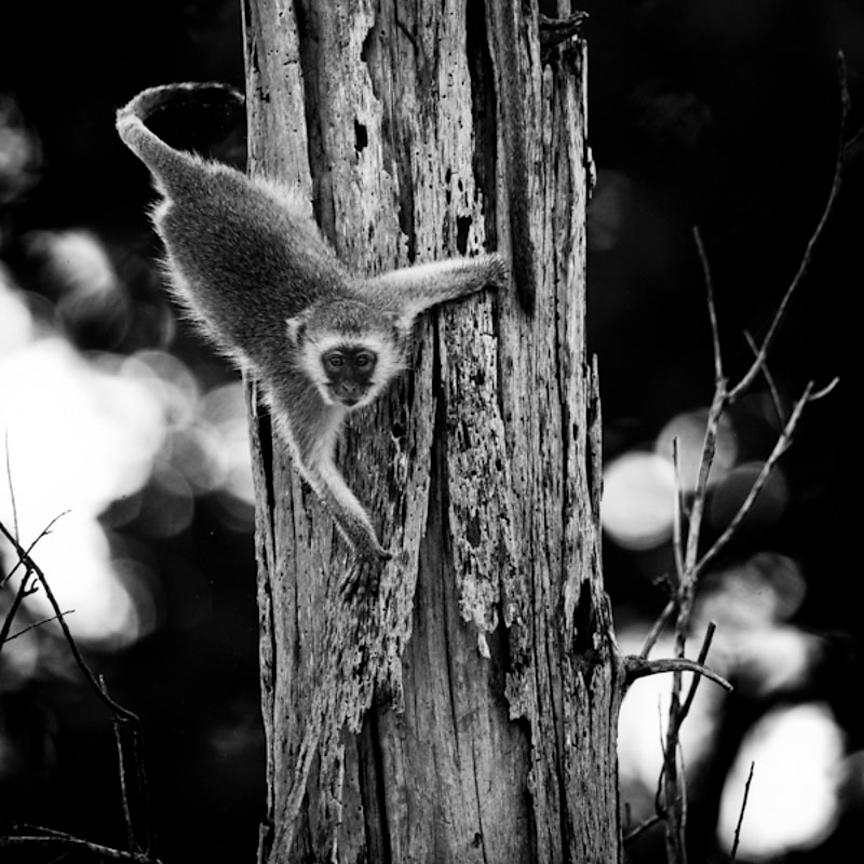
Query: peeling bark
(469, 712)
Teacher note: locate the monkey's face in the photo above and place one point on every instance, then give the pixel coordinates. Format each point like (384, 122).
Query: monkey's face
(349, 374)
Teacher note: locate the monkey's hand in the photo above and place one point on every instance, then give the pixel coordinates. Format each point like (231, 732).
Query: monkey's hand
(367, 548)
(364, 575)
(499, 271)
(355, 527)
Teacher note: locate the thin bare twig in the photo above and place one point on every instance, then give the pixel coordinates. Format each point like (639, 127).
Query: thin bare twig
(682, 821)
(44, 833)
(642, 827)
(779, 449)
(804, 265)
(734, 851)
(24, 556)
(9, 482)
(828, 388)
(671, 783)
(635, 667)
(677, 513)
(121, 770)
(657, 628)
(658, 792)
(674, 810)
(712, 310)
(119, 712)
(706, 460)
(20, 827)
(670, 801)
(769, 380)
(34, 625)
(69, 842)
(23, 591)
(703, 655)
(43, 533)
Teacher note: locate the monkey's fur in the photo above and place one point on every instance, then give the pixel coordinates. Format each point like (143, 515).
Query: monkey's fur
(253, 270)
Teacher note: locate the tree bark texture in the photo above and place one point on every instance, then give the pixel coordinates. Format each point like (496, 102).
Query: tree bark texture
(468, 711)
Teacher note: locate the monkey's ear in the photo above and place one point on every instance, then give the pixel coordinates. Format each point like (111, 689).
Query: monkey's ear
(296, 328)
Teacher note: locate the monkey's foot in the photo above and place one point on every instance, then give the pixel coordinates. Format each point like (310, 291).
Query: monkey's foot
(363, 577)
(367, 548)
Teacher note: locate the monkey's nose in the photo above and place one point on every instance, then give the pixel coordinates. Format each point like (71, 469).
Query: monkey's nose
(349, 393)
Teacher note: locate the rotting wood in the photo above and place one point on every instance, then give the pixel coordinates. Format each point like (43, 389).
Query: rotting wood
(482, 465)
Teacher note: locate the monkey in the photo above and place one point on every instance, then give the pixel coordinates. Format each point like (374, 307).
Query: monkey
(248, 264)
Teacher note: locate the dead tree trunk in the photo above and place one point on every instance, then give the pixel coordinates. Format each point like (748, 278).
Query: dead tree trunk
(469, 712)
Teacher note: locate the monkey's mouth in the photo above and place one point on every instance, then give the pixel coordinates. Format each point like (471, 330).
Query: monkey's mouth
(348, 398)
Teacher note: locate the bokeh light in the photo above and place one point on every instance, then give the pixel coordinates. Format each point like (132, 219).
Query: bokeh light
(108, 441)
(77, 438)
(689, 430)
(766, 657)
(76, 265)
(223, 414)
(792, 803)
(638, 500)
(16, 322)
(20, 152)
(643, 721)
(763, 589)
(750, 603)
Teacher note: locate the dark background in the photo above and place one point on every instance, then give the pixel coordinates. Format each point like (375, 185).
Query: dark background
(713, 113)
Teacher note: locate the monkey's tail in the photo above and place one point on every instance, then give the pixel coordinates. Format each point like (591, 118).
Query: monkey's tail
(167, 163)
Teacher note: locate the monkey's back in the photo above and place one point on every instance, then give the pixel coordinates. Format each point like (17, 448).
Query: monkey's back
(243, 258)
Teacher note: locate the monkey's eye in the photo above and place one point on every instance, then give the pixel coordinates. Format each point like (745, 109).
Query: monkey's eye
(335, 360)
(363, 359)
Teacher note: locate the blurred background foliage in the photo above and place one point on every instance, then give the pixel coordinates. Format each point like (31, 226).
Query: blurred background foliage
(711, 113)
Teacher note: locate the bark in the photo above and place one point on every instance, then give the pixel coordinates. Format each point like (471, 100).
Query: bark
(468, 712)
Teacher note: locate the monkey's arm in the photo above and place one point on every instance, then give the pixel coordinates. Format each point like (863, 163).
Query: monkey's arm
(312, 444)
(348, 513)
(411, 290)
